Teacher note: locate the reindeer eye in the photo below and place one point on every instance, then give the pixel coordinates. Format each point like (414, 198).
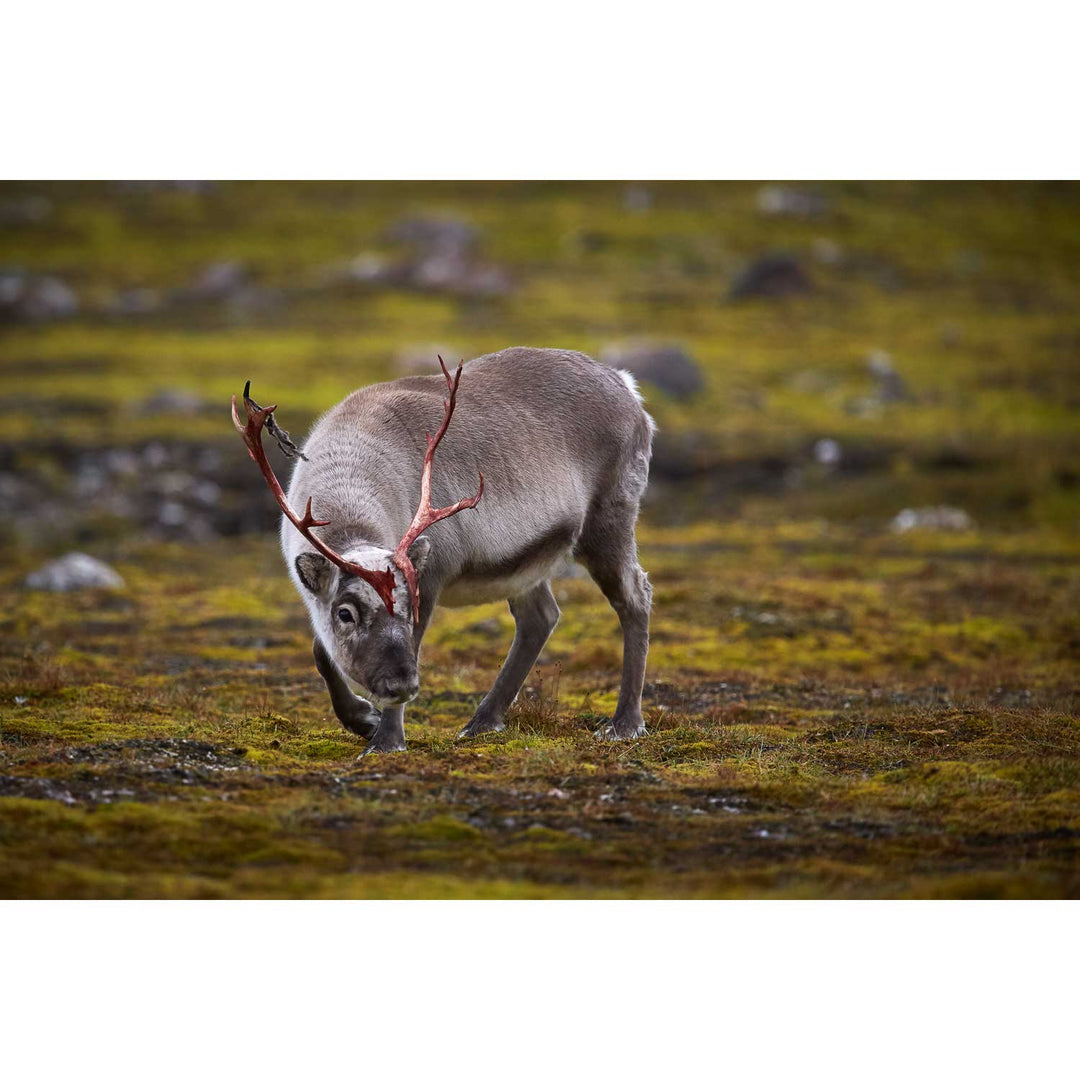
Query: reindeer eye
(344, 614)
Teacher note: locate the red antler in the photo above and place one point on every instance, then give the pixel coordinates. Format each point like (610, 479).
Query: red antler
(382, 581)
(425, 515)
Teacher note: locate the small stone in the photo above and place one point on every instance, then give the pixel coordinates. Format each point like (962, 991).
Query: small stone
(155, 455)
(771, 277)
(28, 210)
(218, 280)
(367, 268)
(436, 234)
(637, 199)
(31, 298)
(74, 571)
(206, 492)
(827, 452)
(667, 366)
(778, 201)
(171, 514)
(932, 519)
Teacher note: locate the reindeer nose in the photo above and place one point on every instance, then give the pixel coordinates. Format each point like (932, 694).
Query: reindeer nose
(401, 689)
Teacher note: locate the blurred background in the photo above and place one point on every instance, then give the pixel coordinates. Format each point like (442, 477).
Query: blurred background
(885, 356)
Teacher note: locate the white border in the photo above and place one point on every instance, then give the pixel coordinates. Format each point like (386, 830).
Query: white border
(535, 989)
(581, 89)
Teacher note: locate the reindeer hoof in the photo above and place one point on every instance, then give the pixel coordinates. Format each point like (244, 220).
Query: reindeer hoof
(374, 748)
(620, 729)
(482, 725)
(384, 742)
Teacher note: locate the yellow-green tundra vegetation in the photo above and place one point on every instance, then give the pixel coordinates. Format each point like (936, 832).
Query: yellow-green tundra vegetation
(835, 708)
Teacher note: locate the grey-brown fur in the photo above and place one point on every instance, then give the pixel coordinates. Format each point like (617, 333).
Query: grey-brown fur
(564, 446)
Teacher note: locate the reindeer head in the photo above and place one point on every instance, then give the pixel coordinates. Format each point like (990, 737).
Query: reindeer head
(365, 602)
(373, 646)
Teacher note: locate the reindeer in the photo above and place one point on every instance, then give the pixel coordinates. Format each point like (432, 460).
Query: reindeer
(566, 445)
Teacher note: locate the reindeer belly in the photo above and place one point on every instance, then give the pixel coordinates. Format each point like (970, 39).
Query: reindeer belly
(482, 581)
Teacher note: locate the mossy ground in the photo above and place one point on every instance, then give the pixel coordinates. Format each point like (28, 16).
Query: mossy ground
(834, 710)
(903, 727)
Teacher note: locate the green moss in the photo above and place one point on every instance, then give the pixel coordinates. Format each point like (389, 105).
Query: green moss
(441, 829)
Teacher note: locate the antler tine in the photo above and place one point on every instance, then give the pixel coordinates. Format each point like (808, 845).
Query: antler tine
(382, 581)
(425, 515)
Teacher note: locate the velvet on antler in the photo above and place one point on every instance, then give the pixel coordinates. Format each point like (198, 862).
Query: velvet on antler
(382, 581)
(426, 515)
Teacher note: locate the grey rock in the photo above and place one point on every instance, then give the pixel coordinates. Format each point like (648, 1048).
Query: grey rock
(367, 268)
(778, 201)
(772, 277)
(668, 367)
(442, 258)
(439, 255)
(436, 234)
(456, 273)
(206, 492)
(484, 280)
(155, 455)
(74, 571)
(827, 452)
(35, 298)
(10, 489)
(52, 299)
(122, 462)
(27, 210)
(932, 519)
(172, 484)
(172, 514)
(219, 280)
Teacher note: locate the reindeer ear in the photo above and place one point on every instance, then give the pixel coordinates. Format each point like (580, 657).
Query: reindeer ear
(418, 553)
(315, 571)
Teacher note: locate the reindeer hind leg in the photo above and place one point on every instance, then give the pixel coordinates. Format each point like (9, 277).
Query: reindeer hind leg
(609, 551)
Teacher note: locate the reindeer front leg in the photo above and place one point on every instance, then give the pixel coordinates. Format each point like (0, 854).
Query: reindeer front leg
(356, 715)
(390, 737)
(535, 615)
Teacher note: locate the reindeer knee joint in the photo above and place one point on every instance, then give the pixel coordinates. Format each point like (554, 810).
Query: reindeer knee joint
(550, 613)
